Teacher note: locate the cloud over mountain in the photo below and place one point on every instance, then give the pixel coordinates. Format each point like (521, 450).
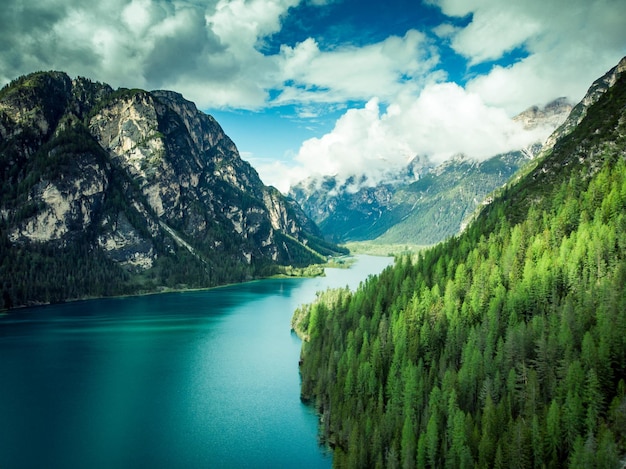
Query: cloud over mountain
(434, 69)
(566, 45)
(443, 121)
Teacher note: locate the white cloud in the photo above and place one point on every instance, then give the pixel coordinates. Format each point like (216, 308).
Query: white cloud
(212, 52)
(487, 37)
(496, 27)
(276, 173)
(137, 16)
(240, 24)
(347, 72)
(443, 121)
(205, 50)
(569, 43)
(534, 81)
(445, 30)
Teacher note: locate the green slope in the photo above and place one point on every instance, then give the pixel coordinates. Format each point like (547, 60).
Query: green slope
(423, 212)
(502, 347)
(435, 207)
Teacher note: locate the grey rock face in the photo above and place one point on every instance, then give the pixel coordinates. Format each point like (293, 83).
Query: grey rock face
(137, 176)
(578, 113)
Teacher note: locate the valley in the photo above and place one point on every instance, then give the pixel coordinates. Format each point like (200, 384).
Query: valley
(495, 340)
(252, 234)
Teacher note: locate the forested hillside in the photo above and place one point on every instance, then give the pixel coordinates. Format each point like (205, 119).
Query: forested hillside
(503, 347)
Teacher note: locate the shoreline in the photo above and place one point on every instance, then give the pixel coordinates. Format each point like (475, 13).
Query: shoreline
(164, 290)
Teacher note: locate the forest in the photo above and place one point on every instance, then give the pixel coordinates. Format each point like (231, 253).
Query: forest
(503, 347)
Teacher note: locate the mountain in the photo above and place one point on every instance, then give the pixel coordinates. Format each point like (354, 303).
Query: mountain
(117, 191)
(502, 346)
(595, 92)
(421, 203)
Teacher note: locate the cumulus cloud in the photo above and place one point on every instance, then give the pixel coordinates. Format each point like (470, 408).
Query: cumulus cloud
(347, 72)
(210, 51)
(493, 30)
(214, 53)
(445, 120)
(568, 44)
(277, 173)
(206, 50)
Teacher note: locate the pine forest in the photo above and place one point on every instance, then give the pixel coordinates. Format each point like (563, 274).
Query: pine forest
(503, 347)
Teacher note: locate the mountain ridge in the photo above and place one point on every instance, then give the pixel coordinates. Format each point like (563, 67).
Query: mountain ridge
(423, 203)
(142, 179)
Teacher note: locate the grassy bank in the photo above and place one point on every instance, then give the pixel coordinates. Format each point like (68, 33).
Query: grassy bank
(377, 249)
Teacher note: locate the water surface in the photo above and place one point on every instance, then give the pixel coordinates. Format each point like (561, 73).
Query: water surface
(183, 380)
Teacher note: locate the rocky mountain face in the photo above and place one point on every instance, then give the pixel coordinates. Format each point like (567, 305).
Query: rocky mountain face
(594, 93)
(355, 209)
(142, 181)
(423, 203)
(603, 133)
(550, 117)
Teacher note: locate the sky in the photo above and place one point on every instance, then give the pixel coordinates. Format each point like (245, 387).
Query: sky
(332, 87)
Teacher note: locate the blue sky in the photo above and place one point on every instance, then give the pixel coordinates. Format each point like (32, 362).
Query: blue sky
(331, 25)
(318, 87)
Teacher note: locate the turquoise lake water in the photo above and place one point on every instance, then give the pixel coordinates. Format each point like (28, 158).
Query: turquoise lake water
(205, 379)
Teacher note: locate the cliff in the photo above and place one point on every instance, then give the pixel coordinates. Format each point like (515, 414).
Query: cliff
(142, 181)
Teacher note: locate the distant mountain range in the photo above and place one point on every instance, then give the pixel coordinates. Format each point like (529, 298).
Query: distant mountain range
(422, 203)
(108, 191)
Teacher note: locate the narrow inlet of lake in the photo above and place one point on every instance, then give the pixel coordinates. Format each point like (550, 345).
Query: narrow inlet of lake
(181, 380)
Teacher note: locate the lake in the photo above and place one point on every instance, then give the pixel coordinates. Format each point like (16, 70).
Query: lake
(202, 379)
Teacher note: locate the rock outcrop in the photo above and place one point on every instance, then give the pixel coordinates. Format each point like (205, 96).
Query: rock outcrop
(549, 117)
(142, 178)
(578, 113)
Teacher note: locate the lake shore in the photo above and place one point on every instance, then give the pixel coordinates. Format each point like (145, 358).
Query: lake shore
(315, 270)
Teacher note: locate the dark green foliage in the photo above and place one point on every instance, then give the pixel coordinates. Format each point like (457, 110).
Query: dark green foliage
(326, 248)
(502, 347)
(44, 273)
(297, 254)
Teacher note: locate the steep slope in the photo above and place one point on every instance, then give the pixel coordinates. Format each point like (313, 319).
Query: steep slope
(436, 206)
(343, 215)
(135, 190)
(422, 203)
(502, 347)
(595, 92)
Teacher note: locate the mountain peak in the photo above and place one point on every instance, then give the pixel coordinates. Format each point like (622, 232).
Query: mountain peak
(142, 181)
(422, 202)
(594, 93)
(551, 115)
